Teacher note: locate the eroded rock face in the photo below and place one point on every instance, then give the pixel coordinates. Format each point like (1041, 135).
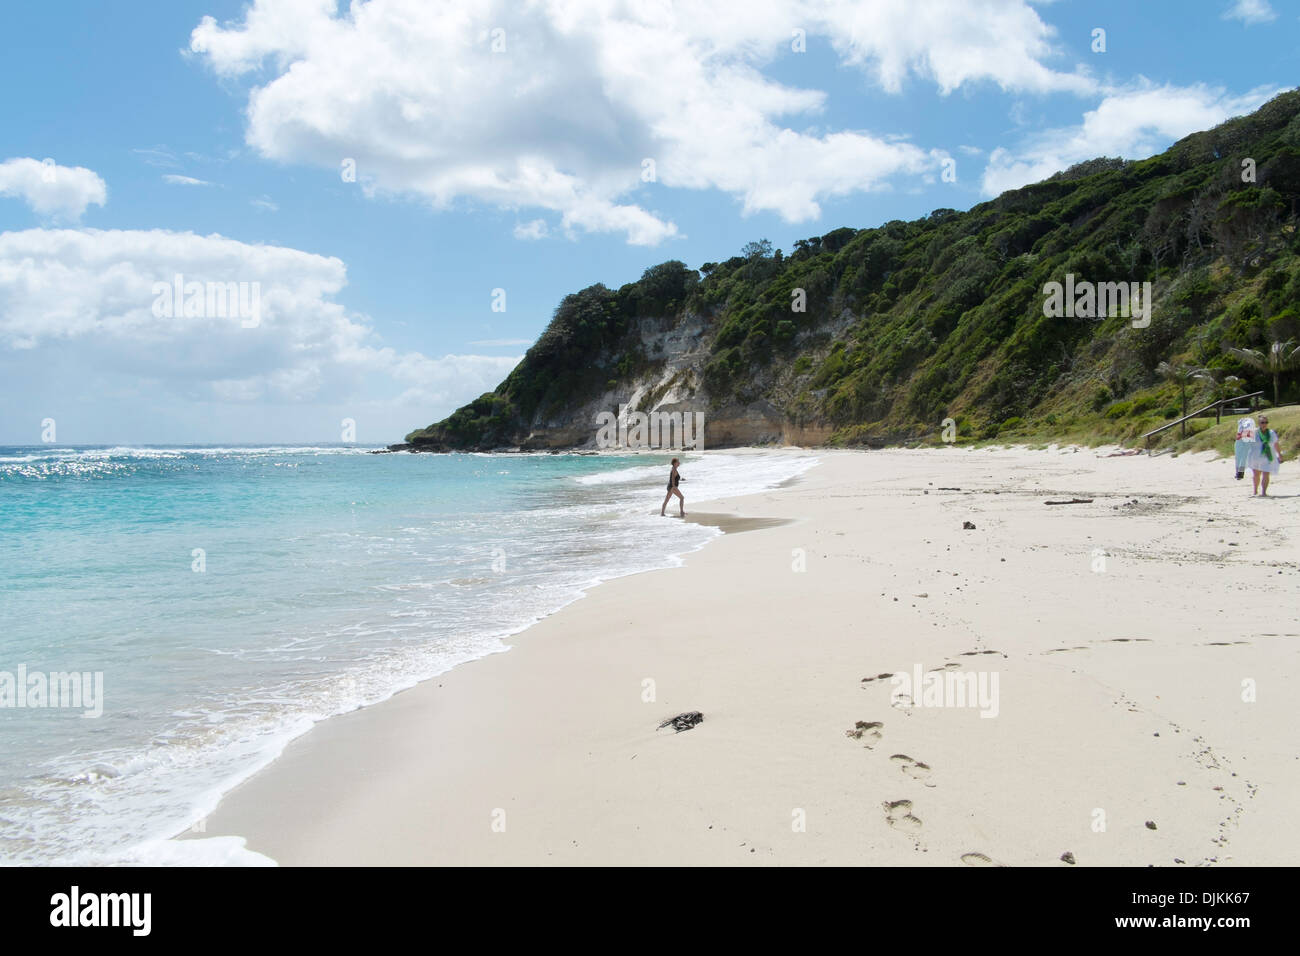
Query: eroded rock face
(743, 427)
(679, 347)
(759, 424)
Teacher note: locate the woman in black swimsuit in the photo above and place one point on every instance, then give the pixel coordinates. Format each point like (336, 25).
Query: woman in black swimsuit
(673, 479)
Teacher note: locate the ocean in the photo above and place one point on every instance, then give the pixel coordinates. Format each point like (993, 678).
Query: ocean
(218, 601)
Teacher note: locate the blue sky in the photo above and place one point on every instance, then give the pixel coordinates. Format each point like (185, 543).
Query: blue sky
(172, 124)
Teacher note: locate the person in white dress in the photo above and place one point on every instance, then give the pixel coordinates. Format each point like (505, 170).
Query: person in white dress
(1265, 458)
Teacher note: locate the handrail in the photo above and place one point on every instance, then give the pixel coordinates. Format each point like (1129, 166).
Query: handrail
(1220, 402)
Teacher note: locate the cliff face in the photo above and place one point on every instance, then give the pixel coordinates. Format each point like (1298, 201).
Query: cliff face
(884, 334)
(677, 349)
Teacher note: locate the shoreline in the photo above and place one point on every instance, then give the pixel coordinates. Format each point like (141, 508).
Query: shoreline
(229, 851)
(567, 759)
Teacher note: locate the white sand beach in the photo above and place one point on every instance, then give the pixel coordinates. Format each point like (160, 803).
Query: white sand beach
(1145, 648)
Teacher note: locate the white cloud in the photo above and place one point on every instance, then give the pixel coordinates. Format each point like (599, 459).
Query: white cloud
(265, 204)
(51, 190)
(90, 295)
(952, 43)
(579, 93)
(453, 379)
(157, 156)
(184, 180)
(1133, 124)
(1250, 12)
(534, 229)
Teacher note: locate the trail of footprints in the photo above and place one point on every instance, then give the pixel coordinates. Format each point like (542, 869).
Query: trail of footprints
(898, 813)
(1205, 756)
(870, 732)
(1109, 640)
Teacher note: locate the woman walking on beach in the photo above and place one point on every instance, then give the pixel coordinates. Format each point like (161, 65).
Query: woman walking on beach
(1265, 457)
(673, 479)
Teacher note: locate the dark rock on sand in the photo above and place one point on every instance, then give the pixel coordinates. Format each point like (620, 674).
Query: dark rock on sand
(683, 721)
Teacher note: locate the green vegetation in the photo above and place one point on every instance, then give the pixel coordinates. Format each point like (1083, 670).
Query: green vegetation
(1219, 437)
(1280, 357)
(911, 323)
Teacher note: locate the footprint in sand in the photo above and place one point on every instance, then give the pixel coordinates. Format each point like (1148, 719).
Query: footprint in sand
(869, 732)
(898, 814)
(913, 768)
(978, 859)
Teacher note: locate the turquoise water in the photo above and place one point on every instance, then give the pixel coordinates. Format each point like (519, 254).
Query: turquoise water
(231, 597)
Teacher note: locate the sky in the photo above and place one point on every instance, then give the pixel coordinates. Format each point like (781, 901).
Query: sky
(298, 221)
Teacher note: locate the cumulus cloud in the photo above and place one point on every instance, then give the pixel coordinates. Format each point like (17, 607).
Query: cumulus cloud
(105, 297)
(534, 229)
(1250, 12)
(51, 190)
(557, 105)
(952, 43)
(1134, 123)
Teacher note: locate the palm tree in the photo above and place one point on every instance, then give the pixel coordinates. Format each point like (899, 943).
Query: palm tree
(1280, 357)
(1221, 386)
(1182, 376)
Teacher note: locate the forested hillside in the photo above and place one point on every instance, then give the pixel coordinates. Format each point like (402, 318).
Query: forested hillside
(910, 323)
